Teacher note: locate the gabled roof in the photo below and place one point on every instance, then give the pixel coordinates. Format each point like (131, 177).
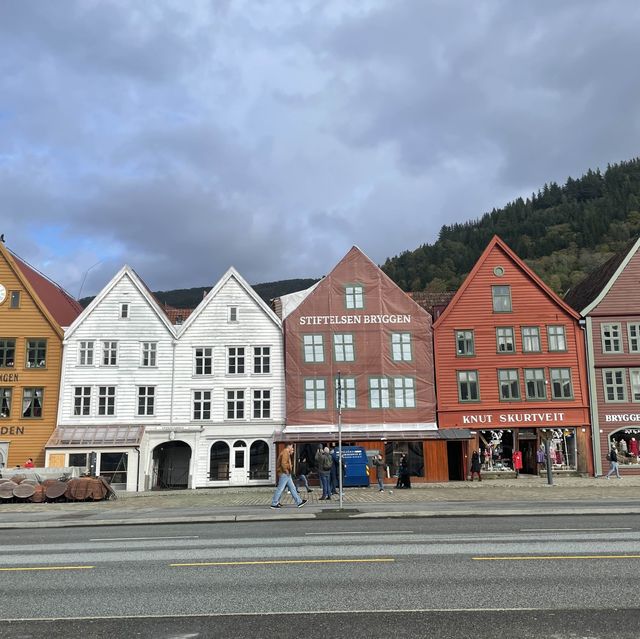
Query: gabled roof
(497, 242)
(231, 273)
(125, 271)
(586, 295)
(432, 301)
(177, 316)
(58, 306)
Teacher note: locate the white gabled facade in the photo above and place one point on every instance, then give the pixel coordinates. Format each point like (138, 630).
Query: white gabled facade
(117, 372)
(229, 384)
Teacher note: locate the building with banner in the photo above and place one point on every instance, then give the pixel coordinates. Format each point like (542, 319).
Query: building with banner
(355, 335)
(608, 300)
(511, 366)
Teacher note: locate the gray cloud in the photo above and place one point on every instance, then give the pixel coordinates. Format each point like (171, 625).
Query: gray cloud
(183, 138)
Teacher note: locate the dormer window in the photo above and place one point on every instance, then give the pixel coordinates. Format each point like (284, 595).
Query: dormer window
(124, 310)
(233, 313)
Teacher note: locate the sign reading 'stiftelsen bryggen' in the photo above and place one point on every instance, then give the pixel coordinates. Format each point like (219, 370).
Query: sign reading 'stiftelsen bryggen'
(322, 320)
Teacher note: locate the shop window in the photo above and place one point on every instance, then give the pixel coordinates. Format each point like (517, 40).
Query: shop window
(85, 353)
(379, 392)
(562, 448)
(219, 462)
(36, 353)
(401, 347)
(556, 338)
(261, 360)
(113, 467)
(627, 443)
(504, 340)
(201, 405)
(235, 404)
(531, 339)
(5, 402)
(261, 404)
(149, 354)
(611, 338)
(7, 352)
(235, 360)
(535, 383)
(203, 360)
(468, 389)
(259, 460)
(496, 450)
(509, 384)
(78, 459)
(343, 347)
(313, 348)
(561, 387)
(106, 401)
(393, 452)
(146, 400)
(404, 392)
(315, 390)
(465, 343)
(501, 299)
(345, 392)
(32, 400)
(82, 400)
(614, 382)
(354, 296)
(633, 332)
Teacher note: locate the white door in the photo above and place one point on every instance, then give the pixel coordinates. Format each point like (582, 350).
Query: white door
(239, 463)
(4, 454)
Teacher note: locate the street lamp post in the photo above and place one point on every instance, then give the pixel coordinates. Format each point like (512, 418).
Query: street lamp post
(339, 441)
(547, 456)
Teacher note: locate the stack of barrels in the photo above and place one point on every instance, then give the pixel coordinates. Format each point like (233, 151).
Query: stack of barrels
(23, 488)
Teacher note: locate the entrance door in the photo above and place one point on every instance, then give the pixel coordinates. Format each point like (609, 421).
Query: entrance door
(171, 465)
(239, 466)
(4, 454)
(454, 457)
(528, 450)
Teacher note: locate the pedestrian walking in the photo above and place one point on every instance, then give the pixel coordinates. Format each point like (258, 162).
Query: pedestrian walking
(324, 462)
(613, 463)
(380, 468)
(283, 469)
(404, 479)
(476, 465)
(302, 472)
(517, 462)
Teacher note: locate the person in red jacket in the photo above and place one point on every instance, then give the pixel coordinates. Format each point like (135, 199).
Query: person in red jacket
(29, 463)
(517, 462)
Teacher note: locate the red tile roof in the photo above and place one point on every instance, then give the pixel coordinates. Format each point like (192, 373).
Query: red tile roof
(176, 315)
(62, 307)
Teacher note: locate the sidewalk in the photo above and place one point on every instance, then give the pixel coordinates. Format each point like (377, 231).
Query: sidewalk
(503, 497)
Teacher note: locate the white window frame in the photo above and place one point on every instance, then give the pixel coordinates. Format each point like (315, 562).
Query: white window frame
(615, 385)
(206, 358)
(6, 396)
(465, 337)
(347, 392)
(344, 347)
(402, 347)
(633, 334)
(235, 404)
(109, 353)
(85, 352)
(261, 403)
(201, 403)
(614, 339)
(354, 296)
(125, 309)
(233, 315)
(557, 338)
(562, 380)
(468, 379)
(108, 408)
(505, 336)
(315, 393)
(634, 381)
(531, 338)
(261, 360)
(501, 302)
(236, 358)
(506, 380)
(404, 392)
(313, 348)
(379, 395)
(146, 395)
(537, 378)
(149, 355)
(81, 401)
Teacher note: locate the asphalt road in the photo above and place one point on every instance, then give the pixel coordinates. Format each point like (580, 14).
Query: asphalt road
(463, 577)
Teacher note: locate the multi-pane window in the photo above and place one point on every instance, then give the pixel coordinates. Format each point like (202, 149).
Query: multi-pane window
(149, 352)
(464, 343)
(534, 383)
(146, 400)
(468, 390)
(531, 339)
(315, 394)
(261, 404)
(233, 313)
(345, 392)
(504, 340)
(401, 347)
(32, 402)
(82, 400)
(501, 299)
(379, 392)
(611, 338)
(508, 384)
(124, 310)
(109, 353)
(404, 392)
(354, 296)
(106, 400)
(561, 383)
(343, 347)
(235, 404)
(5, 402)
(634, 374)
(313, 348)
(85, 353)
(633, 331)
(36, 353)
(7, 352)
(557, 339)
(203, 364)
(235, 360)
(201, 404)
(614, 380)
(262, 359)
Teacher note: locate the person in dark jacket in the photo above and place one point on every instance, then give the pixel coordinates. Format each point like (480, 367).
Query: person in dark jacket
(324, 462)
(380, 468)
(302, 472)
(613, 462)
(476, 465)
(404, 479)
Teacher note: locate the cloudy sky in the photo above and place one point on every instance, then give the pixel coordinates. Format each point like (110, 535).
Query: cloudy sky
(186, 136)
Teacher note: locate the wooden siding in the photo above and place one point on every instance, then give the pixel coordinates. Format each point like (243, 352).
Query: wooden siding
(622, 297)
(27, 437)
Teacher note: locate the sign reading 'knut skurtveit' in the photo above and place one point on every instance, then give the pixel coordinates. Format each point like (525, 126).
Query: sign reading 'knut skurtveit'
(322, 320)
(514, 418)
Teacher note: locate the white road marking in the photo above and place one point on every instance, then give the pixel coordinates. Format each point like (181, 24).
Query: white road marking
(571, 529)
(374, 532)
(141, 538)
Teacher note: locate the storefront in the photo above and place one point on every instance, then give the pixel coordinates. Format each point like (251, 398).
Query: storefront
(625, 438)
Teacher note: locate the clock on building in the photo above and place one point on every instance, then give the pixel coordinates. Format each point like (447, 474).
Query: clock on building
(3, 293)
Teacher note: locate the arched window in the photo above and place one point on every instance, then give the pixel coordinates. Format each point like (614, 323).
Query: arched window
(627, 443)
(219, 462)
(259, 460)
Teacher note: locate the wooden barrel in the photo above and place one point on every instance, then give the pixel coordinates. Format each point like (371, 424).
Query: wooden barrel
(24, 491)
(55, 489)
(6, 490)
(39, 494)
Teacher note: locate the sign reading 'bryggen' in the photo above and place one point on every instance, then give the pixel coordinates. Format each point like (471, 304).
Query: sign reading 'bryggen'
(322, 320)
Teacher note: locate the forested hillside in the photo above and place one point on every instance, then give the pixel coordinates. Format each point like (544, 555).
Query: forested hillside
(563, 233)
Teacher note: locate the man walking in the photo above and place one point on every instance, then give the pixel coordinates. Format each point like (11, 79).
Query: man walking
(613, 461)
(283, 469)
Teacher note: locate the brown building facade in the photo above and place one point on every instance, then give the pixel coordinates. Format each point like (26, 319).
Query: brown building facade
(33, 312)
(511, 365)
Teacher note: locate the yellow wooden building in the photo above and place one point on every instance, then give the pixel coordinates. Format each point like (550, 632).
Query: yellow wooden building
(33, 314)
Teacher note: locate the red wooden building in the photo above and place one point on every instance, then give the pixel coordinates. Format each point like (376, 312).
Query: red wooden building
(608, 299)
(356, 325)
(510, 364)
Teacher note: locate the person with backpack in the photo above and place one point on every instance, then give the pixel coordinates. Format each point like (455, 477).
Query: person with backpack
(324, 462)
(302, 472)
(612, 456)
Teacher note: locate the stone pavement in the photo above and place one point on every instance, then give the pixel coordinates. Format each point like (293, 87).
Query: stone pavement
(524, 496)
